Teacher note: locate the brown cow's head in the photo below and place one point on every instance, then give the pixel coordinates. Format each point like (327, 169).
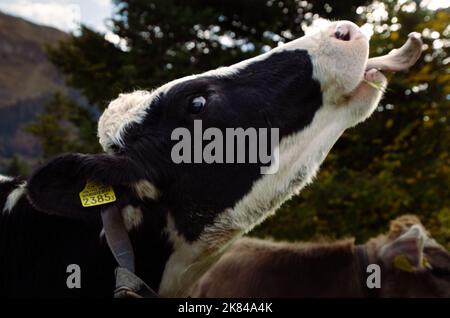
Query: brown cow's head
(413, 264)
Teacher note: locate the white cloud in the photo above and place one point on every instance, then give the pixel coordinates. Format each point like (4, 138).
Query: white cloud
(103, 3)
(64, 16)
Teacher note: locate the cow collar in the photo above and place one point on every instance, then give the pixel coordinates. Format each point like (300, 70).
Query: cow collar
(127, 284)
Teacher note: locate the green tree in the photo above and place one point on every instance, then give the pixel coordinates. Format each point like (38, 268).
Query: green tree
(65, 127)
(18, 167)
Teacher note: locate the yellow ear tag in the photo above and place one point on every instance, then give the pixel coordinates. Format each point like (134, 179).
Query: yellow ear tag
(403, 264)
(426, 263)
(96, 194)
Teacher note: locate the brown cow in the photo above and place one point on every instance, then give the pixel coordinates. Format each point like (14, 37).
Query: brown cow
(411, 264)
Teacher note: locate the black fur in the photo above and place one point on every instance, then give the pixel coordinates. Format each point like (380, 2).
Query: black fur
(36, 248)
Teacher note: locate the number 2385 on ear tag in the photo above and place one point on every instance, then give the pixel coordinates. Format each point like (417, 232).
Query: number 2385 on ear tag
(96, 194)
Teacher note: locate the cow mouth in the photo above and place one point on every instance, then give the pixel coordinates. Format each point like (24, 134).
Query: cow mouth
(398, 59)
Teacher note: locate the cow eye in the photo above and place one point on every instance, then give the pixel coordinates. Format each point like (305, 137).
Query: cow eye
(197, 104)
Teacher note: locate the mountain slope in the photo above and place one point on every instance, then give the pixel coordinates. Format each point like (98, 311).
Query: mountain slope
(25, 71)
(27, 81)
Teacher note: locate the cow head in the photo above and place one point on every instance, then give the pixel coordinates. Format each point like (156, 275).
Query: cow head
(310, 89)
(413, 263)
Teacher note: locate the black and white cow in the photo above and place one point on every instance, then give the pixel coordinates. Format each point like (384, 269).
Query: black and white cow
(180, 217)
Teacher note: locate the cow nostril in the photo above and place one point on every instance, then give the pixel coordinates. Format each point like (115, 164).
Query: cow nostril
(343, 32)
(340, 35)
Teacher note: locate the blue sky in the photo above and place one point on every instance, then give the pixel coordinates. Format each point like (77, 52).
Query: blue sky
(62, 14)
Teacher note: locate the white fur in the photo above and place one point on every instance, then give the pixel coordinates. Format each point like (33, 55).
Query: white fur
(145, 189)
(4, 179)
(122, 112)
(174, 281)
(14, 197)
(188, 262)
(132, 217)
(338, 65)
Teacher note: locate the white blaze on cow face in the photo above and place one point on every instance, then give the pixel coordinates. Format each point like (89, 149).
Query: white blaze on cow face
(121, 112)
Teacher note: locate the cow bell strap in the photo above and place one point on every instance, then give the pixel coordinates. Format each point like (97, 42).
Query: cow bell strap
(128, 285)
(117, 238)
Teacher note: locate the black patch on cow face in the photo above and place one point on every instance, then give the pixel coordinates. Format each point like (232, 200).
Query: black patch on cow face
(276, 92)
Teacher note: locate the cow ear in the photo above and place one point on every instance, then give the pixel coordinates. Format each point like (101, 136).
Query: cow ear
(55, 188)
(406, 253)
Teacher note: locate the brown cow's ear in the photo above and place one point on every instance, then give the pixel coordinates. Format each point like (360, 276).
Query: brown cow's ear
(55, 188)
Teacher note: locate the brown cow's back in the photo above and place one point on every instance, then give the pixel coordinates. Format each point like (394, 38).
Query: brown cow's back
(257, 268)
